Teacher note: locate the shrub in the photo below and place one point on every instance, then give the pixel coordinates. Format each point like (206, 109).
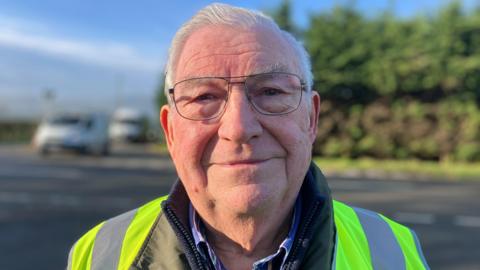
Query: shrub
(448, 130)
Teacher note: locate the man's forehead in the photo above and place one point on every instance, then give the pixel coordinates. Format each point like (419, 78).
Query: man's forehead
(247, 52)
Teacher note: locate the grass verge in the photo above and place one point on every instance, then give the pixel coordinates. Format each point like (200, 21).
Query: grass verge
(402, 169)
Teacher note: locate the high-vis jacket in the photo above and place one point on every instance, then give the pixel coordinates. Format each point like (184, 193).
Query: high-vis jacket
(331, 235)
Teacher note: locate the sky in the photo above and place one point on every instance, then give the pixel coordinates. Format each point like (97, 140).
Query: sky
(101, 55)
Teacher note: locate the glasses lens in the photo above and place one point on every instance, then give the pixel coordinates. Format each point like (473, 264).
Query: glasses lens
(274, 93)
(200, 98)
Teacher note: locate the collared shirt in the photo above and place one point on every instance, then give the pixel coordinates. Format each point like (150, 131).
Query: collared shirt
(274, 261)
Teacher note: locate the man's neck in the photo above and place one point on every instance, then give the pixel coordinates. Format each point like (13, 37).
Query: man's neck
(240, 240)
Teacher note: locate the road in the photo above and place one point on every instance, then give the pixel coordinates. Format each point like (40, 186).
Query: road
(47, 203)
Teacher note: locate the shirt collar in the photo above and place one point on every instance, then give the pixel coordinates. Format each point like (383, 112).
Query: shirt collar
(206, 251)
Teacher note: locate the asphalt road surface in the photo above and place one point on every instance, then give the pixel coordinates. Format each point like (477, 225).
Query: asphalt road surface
(47, 203)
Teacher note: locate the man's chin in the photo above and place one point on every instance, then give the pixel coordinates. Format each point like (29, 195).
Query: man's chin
(249, 199)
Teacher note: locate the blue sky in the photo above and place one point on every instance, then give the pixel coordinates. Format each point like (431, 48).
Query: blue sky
(97, 54)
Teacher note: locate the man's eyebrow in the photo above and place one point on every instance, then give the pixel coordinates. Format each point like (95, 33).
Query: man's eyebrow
(277, 67)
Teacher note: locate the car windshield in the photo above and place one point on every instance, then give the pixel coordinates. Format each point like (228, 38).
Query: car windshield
(128, 121)
(70, 121)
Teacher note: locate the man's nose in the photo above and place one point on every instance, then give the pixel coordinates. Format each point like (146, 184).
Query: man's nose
(239, 123)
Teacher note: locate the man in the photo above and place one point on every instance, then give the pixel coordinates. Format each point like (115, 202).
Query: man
(240, 125)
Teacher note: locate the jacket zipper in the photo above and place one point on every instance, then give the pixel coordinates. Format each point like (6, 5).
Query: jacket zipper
(303, 233)
(186, 236)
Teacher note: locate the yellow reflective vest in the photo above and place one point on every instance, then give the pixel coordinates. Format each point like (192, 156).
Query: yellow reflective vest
(363, 240)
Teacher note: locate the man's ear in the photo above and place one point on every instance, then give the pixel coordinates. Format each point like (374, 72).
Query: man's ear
(165, 121)
(314, 114)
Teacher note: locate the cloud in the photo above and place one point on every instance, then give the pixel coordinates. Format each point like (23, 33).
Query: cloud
(25, 35)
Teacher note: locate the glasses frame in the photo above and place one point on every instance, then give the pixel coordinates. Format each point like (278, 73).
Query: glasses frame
(171, 92)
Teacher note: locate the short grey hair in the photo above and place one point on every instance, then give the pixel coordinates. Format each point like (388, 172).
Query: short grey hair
(223, 14)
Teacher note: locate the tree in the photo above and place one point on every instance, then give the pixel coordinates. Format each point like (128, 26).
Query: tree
(339, 45)
(282, 15)
(160, 98)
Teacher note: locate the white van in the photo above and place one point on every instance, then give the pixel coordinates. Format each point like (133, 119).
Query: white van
(83, 133)
(128, 125)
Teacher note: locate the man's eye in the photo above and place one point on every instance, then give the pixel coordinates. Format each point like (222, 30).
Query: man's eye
(271, 91)
(205, 98)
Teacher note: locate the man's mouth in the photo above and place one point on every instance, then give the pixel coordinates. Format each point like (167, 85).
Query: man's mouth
(245, 162)
(241, 162)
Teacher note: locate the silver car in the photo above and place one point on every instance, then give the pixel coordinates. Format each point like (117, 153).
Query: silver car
(83, 133)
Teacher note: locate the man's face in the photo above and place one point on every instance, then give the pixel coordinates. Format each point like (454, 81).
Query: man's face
(243, 161)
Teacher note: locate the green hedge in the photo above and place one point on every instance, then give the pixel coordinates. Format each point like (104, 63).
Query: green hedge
(16, 131)
(362, 58)
(449, 130)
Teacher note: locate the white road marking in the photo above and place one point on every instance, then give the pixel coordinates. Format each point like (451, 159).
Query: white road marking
(467, 221)
(126, 163)
(414, 218)
(15, 197)
(63, 200)
(64, 173)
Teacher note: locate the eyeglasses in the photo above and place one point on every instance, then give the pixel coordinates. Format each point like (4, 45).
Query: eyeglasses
(206, 98)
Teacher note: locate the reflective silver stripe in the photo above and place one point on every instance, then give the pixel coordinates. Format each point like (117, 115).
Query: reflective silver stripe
(419, 250)
(108, 242)
(70, 255)
(385, 252)
(334, 263)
